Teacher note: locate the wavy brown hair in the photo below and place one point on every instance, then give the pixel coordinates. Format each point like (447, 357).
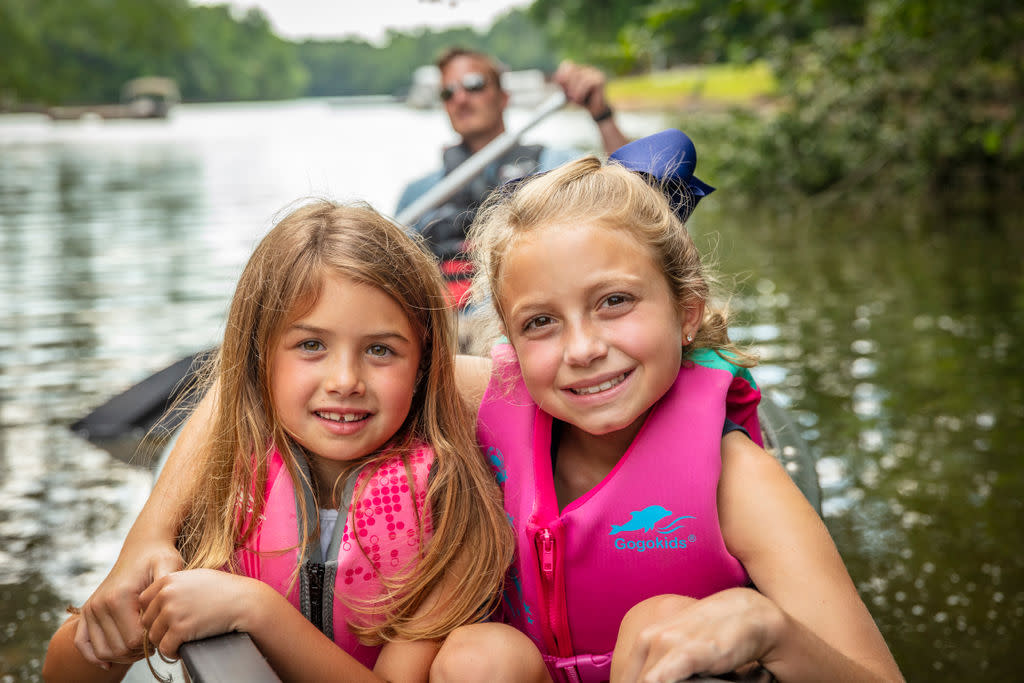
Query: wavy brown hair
(281, 282)
(613, 197)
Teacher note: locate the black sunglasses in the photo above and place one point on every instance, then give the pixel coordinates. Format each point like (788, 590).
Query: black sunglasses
(471, 82)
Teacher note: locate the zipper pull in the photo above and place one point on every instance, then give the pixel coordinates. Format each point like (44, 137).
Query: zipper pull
(547, 553)
(315, 575)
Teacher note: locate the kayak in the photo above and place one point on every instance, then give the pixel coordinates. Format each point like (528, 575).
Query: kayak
(783, 440)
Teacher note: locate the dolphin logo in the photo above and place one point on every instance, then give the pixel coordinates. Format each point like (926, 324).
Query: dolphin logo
(647, 519)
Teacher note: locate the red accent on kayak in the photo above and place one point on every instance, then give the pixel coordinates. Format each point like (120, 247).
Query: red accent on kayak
(457, 274)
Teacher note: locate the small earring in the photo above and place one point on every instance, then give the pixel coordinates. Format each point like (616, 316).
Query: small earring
(689, 338)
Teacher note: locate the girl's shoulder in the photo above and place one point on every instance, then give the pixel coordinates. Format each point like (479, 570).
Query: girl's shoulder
(713, 358)
(718, 359)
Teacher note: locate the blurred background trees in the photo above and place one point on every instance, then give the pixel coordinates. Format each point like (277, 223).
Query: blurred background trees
(879, 94)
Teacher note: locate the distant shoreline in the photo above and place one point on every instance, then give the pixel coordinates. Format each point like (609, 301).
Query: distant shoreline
(704, 88)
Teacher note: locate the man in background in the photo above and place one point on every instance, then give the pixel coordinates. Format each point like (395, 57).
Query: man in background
(475, 102)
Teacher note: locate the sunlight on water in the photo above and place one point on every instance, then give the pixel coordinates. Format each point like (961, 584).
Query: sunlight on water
(908, 359)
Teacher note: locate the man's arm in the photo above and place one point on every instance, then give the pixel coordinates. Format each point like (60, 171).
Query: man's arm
(584, 85)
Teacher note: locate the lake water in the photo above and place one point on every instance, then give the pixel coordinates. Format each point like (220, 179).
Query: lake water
(895, 340)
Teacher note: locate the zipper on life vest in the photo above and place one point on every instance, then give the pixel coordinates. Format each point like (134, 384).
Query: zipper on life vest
(547, 555)
(315, 574)
(554, 620)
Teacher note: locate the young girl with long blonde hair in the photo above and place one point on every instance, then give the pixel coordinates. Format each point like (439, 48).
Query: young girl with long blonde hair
(655, 541)
(339, 475)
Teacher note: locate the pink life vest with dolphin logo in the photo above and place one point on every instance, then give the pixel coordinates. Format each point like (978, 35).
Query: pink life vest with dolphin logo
(386, 541)
(649, 528)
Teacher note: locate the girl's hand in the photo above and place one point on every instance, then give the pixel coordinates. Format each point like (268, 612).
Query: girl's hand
(670, 638)
(64, 662)
(109, 629)
(197, 603)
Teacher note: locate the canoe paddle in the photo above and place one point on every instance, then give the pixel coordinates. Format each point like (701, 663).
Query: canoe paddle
(474, 166)
(118, 425)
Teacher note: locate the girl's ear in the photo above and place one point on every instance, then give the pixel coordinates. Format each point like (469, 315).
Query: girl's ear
(691, 319)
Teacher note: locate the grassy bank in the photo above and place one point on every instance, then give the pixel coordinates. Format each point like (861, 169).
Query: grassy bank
(714, 86)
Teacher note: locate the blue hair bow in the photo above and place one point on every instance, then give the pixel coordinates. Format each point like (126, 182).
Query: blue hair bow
(670, 158)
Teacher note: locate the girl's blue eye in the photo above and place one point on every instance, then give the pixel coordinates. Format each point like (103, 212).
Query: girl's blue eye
(378, 350)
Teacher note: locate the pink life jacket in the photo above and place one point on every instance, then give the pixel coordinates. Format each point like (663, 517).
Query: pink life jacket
(649, 528)
(387, 531)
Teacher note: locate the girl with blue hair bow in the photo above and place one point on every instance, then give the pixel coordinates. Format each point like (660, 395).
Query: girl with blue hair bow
(656, 538)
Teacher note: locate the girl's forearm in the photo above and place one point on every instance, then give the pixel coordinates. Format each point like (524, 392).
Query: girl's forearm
(295, 649)
(160, 518)
(800, 655)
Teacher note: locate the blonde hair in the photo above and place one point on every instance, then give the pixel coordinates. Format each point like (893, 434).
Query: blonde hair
(615, 198)
(281, 281)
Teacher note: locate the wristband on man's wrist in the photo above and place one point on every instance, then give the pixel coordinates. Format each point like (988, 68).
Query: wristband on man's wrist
(603, 115)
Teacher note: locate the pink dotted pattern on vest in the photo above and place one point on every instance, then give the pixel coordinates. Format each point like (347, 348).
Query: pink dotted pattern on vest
(379, 519)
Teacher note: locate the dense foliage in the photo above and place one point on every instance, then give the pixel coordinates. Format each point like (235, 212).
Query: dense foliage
(636, 35)
(918, 95)
(83, 51)
(876, 94)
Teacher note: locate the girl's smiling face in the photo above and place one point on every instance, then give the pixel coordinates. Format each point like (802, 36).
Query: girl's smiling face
(597, 330)
(343, 374)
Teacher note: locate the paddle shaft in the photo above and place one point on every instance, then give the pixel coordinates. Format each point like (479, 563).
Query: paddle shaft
(474, 166)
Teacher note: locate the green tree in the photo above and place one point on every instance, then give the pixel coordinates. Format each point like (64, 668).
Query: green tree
(589, 30)
(237, 59)
(355, 67)
(84, 50)
(20, 51)
(921, 95)
(519, 43)
(637, 35)
(339, 67)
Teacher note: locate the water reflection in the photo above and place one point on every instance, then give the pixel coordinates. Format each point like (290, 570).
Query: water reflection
(909, 348)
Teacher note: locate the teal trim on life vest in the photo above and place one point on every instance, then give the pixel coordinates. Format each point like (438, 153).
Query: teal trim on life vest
(710, 358)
